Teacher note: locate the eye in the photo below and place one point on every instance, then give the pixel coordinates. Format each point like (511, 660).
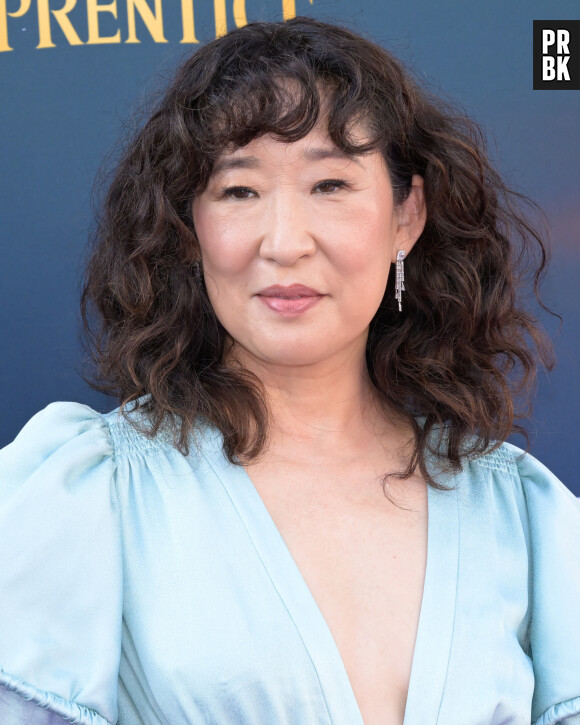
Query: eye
(337, 183)
(237, 192)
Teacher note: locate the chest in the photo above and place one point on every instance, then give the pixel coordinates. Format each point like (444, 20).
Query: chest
(364, 561)
(220, 620)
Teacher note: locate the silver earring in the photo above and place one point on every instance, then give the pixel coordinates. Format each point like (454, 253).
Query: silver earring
(400, 279)
(196, 270)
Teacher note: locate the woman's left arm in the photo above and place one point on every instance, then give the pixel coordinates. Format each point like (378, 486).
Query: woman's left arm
(554, 633)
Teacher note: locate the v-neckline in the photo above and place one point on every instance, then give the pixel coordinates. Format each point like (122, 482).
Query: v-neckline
(437, 613)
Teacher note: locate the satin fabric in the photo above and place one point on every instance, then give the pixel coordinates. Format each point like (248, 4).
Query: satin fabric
(139, 586)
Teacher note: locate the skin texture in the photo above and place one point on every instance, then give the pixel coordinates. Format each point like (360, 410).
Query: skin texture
(285, 226)
(329, 444)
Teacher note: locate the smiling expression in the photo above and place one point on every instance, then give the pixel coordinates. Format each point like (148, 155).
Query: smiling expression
(296, 241)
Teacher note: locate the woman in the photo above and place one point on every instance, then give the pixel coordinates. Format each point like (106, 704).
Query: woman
(304, 510)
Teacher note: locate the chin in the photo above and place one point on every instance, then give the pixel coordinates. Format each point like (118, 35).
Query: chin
(294, 357)
(292, 354)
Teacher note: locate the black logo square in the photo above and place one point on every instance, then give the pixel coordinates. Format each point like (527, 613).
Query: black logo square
(557, 55)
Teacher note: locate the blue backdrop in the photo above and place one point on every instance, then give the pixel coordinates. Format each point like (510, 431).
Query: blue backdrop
(73, 74)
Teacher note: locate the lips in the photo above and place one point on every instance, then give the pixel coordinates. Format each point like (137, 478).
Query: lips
(292, 292)
(291, 301)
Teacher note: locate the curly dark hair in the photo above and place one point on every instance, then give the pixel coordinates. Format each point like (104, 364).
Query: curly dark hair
(446, 363)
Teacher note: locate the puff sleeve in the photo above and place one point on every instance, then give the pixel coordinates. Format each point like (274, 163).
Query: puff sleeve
(553, 515)
(60, 571)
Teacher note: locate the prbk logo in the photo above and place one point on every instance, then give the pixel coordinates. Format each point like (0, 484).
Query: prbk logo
(556, 55)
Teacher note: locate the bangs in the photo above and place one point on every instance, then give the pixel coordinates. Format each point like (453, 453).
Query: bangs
(284, 94)
(288, 107)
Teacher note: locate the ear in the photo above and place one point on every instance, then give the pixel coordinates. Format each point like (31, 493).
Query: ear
(411, 218)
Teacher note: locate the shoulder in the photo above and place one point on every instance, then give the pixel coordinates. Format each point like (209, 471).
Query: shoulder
(520, 491)
(57, 479)
(76, 432)
(513, 469)
(56, 424)
(65, 466)
(69, 447)
(61, 443)
(70, 450)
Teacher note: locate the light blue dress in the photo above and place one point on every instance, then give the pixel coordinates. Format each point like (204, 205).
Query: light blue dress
(138, 586)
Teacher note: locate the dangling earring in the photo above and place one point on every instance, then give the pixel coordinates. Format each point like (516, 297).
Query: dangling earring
(400, 279)
(196, 270)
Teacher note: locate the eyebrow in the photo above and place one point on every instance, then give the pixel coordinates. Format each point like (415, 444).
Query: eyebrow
(310, 154)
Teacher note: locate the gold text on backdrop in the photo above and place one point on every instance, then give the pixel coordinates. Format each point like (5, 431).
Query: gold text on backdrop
(150, 12)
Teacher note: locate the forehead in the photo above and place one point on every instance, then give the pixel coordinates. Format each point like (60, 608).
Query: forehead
(316, 146)
(251, 156)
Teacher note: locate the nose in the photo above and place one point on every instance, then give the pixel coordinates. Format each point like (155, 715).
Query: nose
(286, 237)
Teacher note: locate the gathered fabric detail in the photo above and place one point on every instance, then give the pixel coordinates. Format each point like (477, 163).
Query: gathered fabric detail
(564, 713)
(126, 439)
(70, 712)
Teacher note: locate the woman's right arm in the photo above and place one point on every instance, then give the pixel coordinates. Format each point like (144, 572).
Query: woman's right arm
(60, 571)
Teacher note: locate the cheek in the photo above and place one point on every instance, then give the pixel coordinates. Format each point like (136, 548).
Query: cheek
(225, 250)
(364, 251)
(364, 264)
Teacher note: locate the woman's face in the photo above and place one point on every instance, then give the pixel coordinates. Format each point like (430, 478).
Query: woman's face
(296, 242)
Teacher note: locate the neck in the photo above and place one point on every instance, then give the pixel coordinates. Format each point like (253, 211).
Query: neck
(322, 405)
